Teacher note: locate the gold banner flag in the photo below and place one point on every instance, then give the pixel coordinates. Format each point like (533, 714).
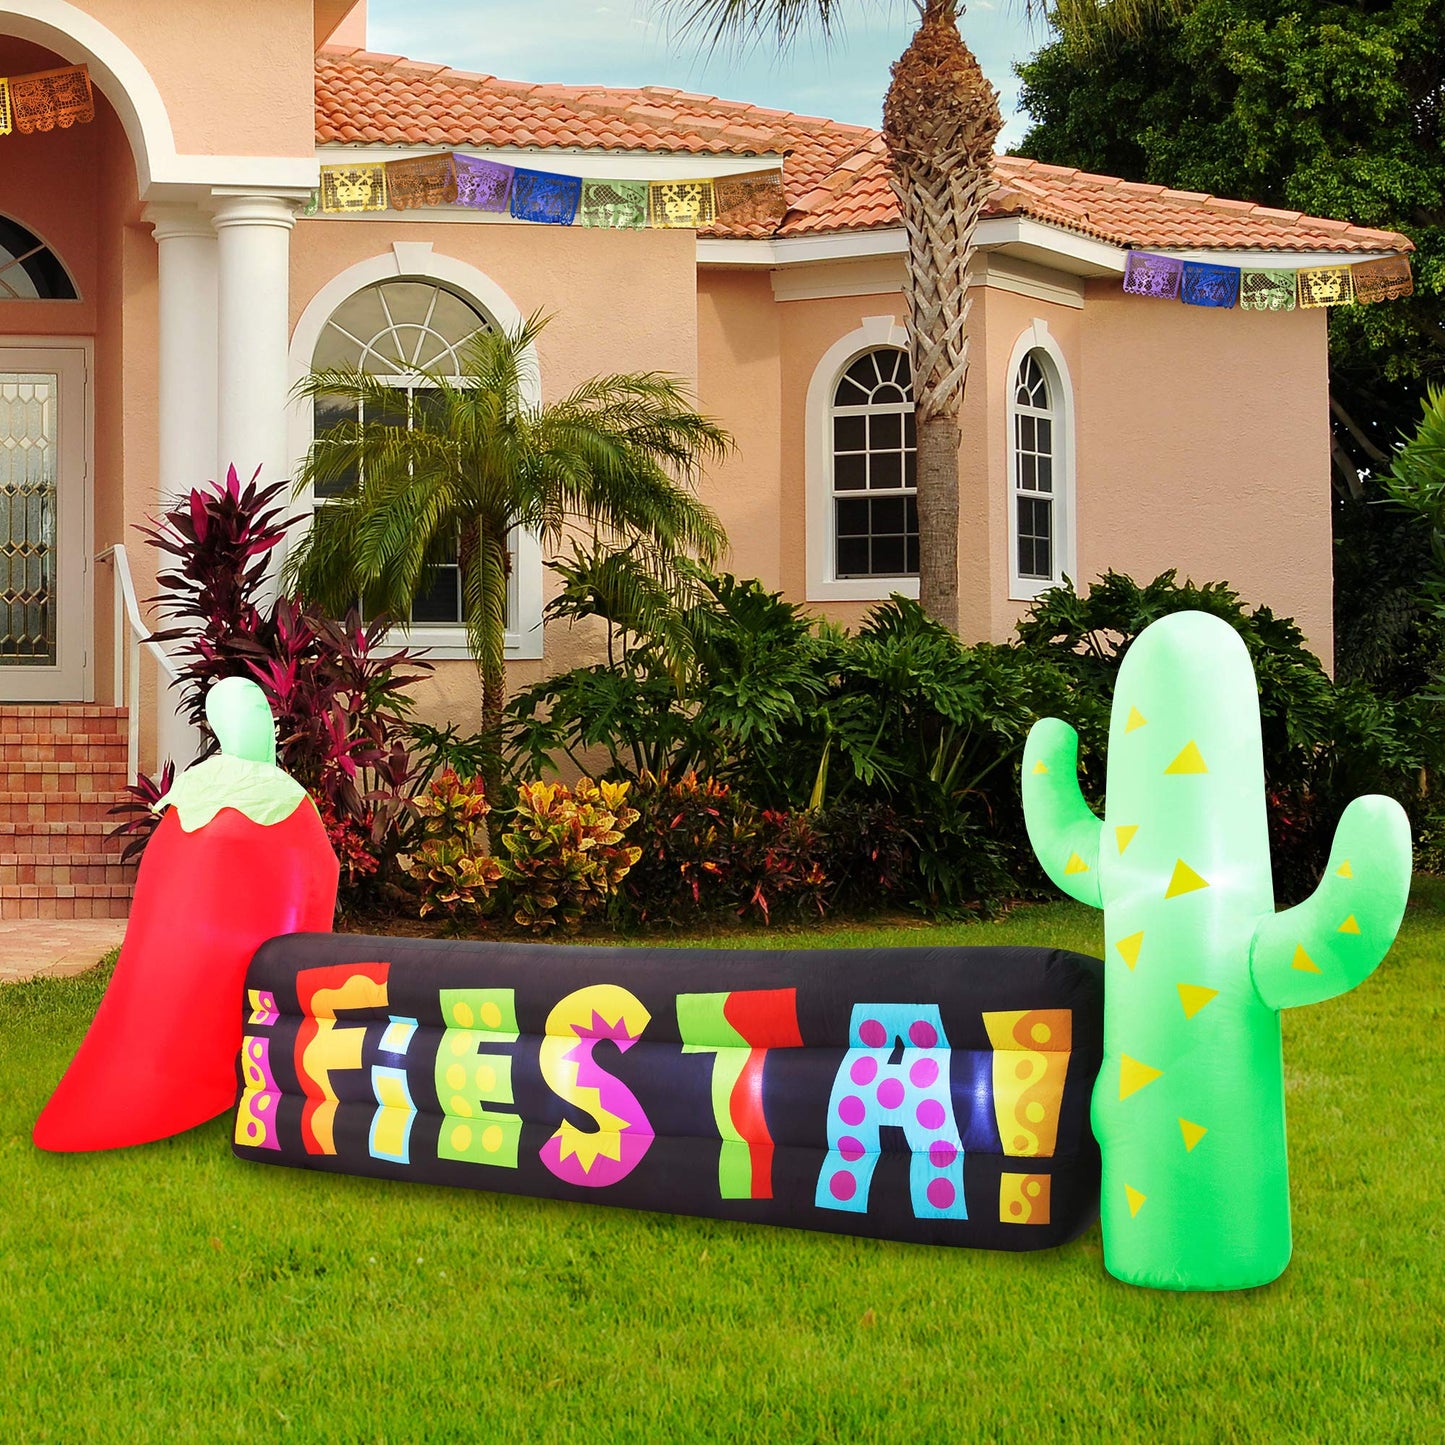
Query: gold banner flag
(680, 205)
(1325, 286)
(421, 181)
(1387, 279)
(752, 198)
(348, 190)
(50, 98)
(7, 119)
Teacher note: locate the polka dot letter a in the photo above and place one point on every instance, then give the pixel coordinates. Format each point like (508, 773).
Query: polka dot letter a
(911, 1094)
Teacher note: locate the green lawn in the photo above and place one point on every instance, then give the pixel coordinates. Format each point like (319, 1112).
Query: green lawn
(172, 1293)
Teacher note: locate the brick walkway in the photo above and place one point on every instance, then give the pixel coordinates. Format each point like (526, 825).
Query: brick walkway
(55, 947)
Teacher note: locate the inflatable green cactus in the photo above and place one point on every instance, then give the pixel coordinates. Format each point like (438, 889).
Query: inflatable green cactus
(1189, 1104)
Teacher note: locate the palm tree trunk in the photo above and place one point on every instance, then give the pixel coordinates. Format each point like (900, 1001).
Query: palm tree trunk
(483, 560)
(940, 121)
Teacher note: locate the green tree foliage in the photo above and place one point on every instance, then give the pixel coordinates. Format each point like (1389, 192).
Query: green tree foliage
(616, 456)
(1334, 109)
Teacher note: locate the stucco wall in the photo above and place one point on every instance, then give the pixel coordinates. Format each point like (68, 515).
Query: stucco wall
(619, 301)
(1204, 445)
(738, 384)
(235, 79)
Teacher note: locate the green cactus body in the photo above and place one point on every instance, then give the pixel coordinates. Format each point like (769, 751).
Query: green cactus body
(1189, 1104)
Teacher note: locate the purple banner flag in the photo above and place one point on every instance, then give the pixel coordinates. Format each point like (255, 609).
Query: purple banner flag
(1148, 275)
(483, 185)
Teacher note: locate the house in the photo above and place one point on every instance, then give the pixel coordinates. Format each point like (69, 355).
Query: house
(165, 279)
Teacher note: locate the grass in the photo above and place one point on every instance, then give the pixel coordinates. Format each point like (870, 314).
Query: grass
(172, 1293)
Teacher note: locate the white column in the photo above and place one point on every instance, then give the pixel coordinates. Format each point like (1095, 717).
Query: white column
(254, 235)
(187, 362)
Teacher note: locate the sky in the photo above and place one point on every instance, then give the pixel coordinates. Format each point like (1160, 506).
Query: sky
(627, 43)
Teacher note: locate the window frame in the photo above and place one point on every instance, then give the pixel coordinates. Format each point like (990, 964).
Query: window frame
(417, 261)
(1037, 342)
(876, 333)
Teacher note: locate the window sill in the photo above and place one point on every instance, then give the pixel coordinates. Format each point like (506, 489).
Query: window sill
(449, 644)
(1030, 589)
(863, 589)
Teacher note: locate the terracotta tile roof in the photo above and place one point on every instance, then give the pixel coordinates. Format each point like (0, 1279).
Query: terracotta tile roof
(834, 175)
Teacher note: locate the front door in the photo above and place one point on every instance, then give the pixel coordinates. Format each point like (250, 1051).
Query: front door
(44, 572)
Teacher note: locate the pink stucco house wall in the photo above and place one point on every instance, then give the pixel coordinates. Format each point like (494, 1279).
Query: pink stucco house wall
(1175, 436)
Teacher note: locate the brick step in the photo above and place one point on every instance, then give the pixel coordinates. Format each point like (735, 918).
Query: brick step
(67, 780)
(34, 807)
(41, 869)
(59, 900)
(65, 747)
(75, 716)
(86, 847)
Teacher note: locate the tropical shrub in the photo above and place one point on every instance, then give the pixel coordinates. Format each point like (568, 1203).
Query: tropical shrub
(451, 862)
(564, 855)
(338, 696)
(1325, 743)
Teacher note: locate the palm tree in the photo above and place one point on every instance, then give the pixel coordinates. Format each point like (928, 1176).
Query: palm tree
(616, 457)
(940, 122)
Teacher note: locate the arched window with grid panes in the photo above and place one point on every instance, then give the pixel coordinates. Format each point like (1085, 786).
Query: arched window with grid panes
(1036, 476)
(29, 269)
(874, 474)
(390, 329)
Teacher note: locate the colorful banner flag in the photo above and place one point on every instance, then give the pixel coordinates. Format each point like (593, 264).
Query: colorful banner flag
(751, 198)
(50, 98)
(680, 205)
(615, 205)
(1149, 275)
(1267, 290)
(1387, 279)
(546, 198)
(1207, 285)
(421, 181)
(1325, 286)
(349, 190)
(483, 185)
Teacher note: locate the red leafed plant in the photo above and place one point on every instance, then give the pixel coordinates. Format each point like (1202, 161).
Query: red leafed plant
(338, 698)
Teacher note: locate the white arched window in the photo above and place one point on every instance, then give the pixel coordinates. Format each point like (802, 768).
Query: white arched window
(861, 468)
(1040, 466)
(412, 305)
(875, 481)
(388, 329)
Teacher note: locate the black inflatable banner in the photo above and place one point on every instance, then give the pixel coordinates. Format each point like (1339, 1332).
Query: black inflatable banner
(937, 1095)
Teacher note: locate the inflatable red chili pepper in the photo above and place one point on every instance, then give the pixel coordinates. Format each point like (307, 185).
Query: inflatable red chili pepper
(239, 857)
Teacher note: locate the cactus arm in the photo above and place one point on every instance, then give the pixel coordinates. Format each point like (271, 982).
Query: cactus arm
(1336, 938)
(1062, 828)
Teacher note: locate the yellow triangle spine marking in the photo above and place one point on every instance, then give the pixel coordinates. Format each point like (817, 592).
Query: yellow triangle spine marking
(1303, 962)
(1134, 1076)
(1136, 720)
(1192, 1132)
(1040, 767)
(1135, 1199)
(1344, 870)
(1350, 925)
(1124, 835)
(1129, 948)
(1193, 997)
(1075, 864)
(1190, 760)
(1185, 880)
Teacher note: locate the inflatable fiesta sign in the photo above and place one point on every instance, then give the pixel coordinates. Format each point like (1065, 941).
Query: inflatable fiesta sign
(933, 1095)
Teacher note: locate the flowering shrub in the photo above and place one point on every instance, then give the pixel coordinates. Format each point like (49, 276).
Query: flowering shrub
(705, 851)
(564, 854)
(456, 874)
